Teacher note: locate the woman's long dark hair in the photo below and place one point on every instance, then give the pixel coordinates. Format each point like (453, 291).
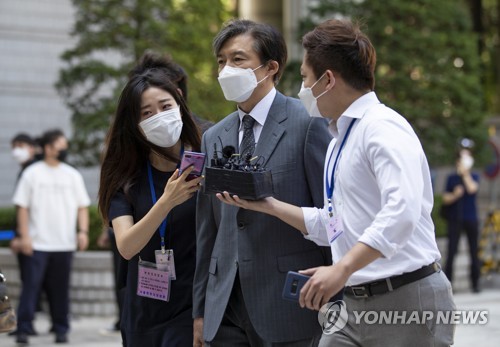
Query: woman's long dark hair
(126, 148)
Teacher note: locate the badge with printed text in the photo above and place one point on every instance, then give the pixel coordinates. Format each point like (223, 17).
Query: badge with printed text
(153, 283)
(334, 228)
(165, 262)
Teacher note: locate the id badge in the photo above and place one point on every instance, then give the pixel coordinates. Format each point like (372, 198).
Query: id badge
(152, 283)
(334, 228)
(165, 262)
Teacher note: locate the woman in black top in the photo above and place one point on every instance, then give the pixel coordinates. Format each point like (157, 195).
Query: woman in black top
(140, 189)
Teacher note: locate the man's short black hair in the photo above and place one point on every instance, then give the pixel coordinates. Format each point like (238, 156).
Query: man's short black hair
(50, 136)
(23, 138)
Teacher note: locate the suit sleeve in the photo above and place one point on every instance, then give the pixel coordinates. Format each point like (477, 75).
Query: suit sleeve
(206, 232)
(317, 140)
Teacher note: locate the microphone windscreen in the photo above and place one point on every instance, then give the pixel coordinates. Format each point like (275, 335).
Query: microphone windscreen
(228, 151)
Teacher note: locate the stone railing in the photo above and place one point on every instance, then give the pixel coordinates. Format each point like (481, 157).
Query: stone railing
(91, 288)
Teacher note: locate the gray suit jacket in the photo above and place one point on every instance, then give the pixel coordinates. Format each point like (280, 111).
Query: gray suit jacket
(259, 247)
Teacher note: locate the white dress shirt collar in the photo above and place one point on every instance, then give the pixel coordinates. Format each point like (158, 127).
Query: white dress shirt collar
(260, 111)
(356, 110)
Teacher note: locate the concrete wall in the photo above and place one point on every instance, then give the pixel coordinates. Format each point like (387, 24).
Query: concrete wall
(33, 34)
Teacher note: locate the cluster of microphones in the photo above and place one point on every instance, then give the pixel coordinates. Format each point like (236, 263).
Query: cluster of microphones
(233, 161)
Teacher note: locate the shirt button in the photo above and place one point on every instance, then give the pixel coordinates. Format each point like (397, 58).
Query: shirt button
(241, 225)
(236, 263)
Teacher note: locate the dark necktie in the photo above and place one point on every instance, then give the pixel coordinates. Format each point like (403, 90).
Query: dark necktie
(248, 141)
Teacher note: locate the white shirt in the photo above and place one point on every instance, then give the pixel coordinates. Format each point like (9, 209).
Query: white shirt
(382, 192)
(53, 195)
(259, 113)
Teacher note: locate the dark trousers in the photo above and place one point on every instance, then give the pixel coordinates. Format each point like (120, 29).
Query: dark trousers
(236, 329)
(472, 232)
(53, 268)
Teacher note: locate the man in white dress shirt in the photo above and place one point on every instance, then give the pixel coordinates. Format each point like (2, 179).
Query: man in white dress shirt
(378, 202)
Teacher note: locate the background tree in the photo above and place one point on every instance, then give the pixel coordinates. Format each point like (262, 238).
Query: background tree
(427, 66)
(111, 36)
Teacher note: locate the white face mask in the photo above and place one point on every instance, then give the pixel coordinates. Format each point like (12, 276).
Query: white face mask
(238, 84)
(467, 161)
(163, 129)
(21, 154)
(309, 101)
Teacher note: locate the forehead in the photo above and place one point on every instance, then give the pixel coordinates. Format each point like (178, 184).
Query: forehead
(60, 142)
(20, 144)
(243, 43)
(153, 94)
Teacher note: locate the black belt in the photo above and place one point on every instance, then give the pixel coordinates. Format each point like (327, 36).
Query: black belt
(389, 284)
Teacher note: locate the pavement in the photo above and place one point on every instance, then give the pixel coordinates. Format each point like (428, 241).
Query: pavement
(90, 331)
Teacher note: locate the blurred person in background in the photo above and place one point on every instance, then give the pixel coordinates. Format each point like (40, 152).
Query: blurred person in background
(52, 217)
(24, 151)
(460, 201)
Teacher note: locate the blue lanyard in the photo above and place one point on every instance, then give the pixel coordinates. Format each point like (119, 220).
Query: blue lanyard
(163, 225)
(330, 186)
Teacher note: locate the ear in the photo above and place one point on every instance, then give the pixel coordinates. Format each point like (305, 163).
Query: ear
(330, 78)
(179, 91)
(273, 67)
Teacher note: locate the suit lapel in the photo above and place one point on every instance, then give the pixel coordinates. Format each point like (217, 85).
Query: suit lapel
(229, 137)
(273, 128)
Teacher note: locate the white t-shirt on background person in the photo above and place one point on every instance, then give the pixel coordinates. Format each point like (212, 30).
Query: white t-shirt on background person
(53, 195)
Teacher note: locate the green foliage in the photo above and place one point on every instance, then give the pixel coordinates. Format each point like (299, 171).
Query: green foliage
(427, 66)
(112, 35)
(8, 216)
(439, 223)
(490, 56)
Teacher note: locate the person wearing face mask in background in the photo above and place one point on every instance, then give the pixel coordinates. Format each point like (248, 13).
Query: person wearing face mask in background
(53, 220)
(460, 198)
(23, 152)
(24, 148)
(242, 256)
(150, 206)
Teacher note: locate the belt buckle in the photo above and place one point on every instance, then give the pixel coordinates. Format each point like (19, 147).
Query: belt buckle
(362, 292)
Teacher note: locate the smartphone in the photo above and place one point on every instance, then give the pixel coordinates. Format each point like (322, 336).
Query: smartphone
(195, 159)
(293, 284)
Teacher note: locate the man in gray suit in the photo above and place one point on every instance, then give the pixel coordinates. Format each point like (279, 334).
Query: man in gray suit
(243, 256)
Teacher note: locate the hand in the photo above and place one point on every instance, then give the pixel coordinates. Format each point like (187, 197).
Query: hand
(326, 281)
(198, 332)
(15, 245)
(83, 240)
(262, 205)
(178, 190)
(103, 239)
(26, 245)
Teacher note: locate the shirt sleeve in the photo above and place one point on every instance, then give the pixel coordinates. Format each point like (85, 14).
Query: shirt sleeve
(119, 206)
(397, 161)
(315, 220)
(22, 195)
(82, 196)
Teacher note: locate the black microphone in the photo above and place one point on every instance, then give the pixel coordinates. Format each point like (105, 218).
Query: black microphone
(228, 151)
(215, 161)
